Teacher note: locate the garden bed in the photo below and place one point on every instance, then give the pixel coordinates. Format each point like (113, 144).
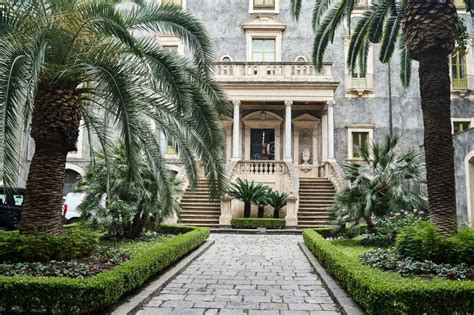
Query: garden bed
(98, 292)
(255, 223)
(382, 292)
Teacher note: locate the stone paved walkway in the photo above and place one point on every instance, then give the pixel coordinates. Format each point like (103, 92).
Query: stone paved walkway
(246, 274)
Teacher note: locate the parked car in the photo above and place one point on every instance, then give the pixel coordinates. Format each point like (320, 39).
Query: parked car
(10, 208)
(71, 205)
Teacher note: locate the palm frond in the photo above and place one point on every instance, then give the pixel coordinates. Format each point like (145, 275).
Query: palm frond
(390, 37)
(405, 62)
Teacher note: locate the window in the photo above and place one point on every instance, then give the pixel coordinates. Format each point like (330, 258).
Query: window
(359, 139)
(178, 3)
(459, 4)
(361, 4)
(263, 50)
(263, 5)
(359, 79)
(358, 135)
(459, 126)
(458, 70)
(170, 149)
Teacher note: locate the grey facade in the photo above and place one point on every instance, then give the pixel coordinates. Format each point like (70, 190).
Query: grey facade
(224, 20)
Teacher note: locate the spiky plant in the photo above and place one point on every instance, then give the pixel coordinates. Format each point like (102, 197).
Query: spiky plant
(424, 31)
(379, 185)
(248, 192)
(63, 62)
(277, 200)
(144, 195)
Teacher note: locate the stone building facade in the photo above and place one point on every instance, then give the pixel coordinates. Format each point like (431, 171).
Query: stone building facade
(291, 122)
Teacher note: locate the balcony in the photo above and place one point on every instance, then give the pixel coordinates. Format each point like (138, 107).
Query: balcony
(271, 72)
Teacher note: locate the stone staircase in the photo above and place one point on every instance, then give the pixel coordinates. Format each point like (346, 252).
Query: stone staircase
(197, 209)
(316, 196)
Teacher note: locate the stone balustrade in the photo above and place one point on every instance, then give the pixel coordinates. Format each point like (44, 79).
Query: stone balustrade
(257, 167)
(271, 72)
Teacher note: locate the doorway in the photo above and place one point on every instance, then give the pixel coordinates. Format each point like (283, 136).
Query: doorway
(262, 144)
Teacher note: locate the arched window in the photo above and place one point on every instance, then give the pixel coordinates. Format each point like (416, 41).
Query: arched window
(226, 59)
(300, 59)
(70, 179)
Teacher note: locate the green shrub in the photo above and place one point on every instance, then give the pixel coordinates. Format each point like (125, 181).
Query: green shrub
(422, 241)
(76, 242)
(387, 293)
(254, 223)
(94, 294)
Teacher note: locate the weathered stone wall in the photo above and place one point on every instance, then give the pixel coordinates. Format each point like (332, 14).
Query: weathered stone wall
(463, 145)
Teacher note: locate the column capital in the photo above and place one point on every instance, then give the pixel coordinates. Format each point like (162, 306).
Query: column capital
(330, 103)
(236, 102)
(288, 103)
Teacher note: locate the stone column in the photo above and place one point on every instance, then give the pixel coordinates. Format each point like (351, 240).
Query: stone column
(226, 215)
(331, 130)
(324, 136)
(236, 150)
(291, 211)
(287, 149)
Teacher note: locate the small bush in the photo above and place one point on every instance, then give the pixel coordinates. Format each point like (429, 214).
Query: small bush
(76, 242)
(255, 223)
(422, 241)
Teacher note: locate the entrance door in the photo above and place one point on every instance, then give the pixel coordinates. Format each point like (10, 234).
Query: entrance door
(262, 144)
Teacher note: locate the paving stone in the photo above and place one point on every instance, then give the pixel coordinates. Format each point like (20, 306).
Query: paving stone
(246, 275)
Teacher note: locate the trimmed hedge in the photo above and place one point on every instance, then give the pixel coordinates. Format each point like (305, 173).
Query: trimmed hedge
(386, 292)
(99, 292)
(254, 223)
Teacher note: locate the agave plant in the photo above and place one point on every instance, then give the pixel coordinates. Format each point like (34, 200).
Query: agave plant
(248, 192)
(63, 62)
(277, 200)
(378, 185)
(143, 196)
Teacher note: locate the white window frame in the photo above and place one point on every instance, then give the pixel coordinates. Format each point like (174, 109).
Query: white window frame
(350, 88)
(276, 10)
(276, 35)
(468, 119)
(166, 41)
(357, 128)
(183, 5)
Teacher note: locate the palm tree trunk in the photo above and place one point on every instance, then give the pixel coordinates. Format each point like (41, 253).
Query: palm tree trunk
(44, 192)
(55, 128)
(438, 142)
(261, 211)
(247, 208)
(276, 213)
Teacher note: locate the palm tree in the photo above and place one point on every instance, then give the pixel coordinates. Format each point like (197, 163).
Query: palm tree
(277, 200)
(424, 31)
(248, 192)
(63, 62)
(379, 185)
(262, 203)
(143, 195)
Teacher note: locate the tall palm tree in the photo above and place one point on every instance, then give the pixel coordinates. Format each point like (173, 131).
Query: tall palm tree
(424, 31)
(63, 62)
(248, 192)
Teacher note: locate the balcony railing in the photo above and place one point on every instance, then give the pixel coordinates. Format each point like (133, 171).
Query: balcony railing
(257, 167)
(460, 84)
(271, 71)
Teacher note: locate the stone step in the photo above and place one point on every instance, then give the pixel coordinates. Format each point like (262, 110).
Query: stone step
(191, 202)
(216, 211)
(199, 221)
(201, 216)
(312, 226)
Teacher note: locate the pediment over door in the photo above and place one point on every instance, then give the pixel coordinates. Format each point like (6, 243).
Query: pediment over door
(264, 22)
(306, 121)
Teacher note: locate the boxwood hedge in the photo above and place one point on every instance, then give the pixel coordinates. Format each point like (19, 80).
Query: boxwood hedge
(254, 223)
(93, 294)
(386, 292)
